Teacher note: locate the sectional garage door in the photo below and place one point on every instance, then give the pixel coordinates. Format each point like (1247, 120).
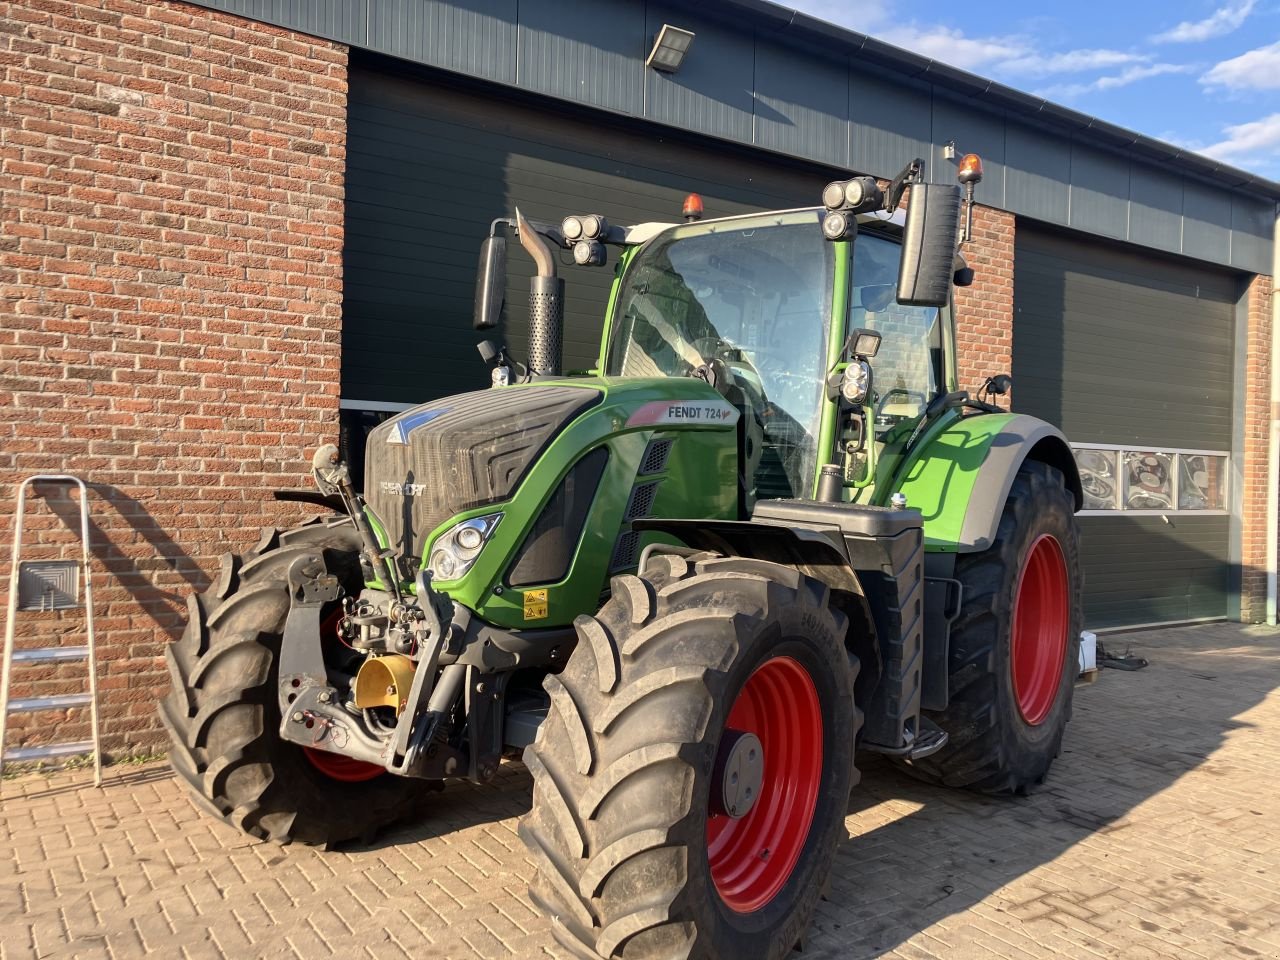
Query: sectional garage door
(1132, 355)
(431, 164)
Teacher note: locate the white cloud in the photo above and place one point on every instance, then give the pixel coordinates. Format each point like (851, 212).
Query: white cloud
(1072, 61)
(1257, 141)
(950, 45)
(1068, 91)
(1256, 70)
(1221, 22)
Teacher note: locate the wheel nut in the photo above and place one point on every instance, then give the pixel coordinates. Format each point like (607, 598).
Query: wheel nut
(297, 716)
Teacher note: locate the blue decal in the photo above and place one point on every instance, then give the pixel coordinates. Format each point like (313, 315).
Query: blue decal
(410, 422)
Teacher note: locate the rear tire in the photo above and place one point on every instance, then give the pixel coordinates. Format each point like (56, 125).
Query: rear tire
(1012, 679)
(631, 861)
(223, 717)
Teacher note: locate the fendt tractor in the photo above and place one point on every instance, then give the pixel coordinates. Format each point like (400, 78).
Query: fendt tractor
(766, 532)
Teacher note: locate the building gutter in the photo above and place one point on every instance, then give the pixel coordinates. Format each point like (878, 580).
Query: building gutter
(1273, 445)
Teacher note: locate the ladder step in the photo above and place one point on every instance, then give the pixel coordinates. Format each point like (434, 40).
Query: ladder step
(50, 654)
(50, 750)
(32, 704)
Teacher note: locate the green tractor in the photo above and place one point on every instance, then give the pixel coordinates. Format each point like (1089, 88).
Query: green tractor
(767, 532)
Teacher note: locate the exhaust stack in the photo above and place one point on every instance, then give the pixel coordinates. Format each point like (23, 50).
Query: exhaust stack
(546, 304)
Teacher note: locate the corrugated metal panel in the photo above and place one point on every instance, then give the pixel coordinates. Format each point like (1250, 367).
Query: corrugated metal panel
(475, 37)
(592, 52)
(586, 51)
(802, 105)
(428, 168)
(974, 132)
(891, 123)
(1155, 211)
(1144, 570)
(711, 93)
(1252, 226)
(1037, 180)
(1104, 338)
(1099, 192)
(342, 20)
(1206, 228)
(1115, 346)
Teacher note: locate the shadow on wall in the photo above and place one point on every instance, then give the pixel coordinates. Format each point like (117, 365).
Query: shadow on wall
(137, 571)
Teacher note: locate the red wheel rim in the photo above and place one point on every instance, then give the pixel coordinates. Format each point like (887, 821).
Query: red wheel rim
(335, 765)
(752, 858)
(1041, 615)
(338, 767)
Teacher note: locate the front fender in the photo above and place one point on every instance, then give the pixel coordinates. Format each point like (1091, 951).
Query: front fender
(960, 477)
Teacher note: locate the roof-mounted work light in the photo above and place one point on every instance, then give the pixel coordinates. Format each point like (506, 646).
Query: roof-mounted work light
(669, 48)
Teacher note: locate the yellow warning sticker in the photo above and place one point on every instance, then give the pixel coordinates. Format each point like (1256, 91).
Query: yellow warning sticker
(535, 604)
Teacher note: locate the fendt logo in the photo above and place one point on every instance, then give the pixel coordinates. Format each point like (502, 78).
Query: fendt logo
(402, 489)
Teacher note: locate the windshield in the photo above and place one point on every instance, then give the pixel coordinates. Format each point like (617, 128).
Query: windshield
(908, 366)
(751, 300)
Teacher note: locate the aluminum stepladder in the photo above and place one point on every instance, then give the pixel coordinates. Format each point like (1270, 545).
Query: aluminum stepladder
(51, 654)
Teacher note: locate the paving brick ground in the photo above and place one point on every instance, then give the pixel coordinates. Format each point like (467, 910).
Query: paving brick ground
(1157, 836)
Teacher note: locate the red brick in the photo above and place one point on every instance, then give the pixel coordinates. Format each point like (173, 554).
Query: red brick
(136, 355)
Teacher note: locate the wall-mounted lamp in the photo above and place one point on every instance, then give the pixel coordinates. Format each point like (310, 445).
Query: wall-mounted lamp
(669, 48)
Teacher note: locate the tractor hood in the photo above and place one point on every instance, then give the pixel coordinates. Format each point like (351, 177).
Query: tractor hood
(439, 459)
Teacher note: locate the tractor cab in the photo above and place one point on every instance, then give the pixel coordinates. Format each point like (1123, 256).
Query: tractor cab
(757, 306)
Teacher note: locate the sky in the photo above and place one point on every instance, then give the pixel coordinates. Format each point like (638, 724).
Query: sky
(1201, 74)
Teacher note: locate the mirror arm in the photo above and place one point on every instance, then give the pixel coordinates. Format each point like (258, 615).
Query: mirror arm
(910, 174)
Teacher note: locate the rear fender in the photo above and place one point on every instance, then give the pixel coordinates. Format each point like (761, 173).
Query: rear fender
(960, 479)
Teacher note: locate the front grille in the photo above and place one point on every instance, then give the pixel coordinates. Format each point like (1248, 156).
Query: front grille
(624, 554)
(436, 460)
(655, 456)
(641, 502)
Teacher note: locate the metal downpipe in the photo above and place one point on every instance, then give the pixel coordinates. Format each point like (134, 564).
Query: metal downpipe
(1273, 435)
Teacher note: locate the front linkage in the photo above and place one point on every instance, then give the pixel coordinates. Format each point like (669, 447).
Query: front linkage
(442, 673)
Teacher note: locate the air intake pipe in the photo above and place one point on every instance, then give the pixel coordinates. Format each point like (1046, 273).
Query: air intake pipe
(546, 304)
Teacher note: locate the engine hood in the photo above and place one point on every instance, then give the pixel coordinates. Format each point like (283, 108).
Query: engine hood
(444, 457)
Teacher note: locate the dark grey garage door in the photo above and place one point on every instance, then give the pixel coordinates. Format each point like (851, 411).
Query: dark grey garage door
(430, 166)
(1132, 355)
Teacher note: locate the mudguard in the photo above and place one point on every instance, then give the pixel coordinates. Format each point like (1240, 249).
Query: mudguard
(960, 476)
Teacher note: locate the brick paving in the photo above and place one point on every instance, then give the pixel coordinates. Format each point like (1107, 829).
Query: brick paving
(1157, 836)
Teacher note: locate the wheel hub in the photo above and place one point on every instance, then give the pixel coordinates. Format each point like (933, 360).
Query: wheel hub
(1041, 620)
(739, 773)
(778, 715)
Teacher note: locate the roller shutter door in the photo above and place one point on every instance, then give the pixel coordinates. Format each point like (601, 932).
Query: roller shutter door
(430, 165)
(1132, 355)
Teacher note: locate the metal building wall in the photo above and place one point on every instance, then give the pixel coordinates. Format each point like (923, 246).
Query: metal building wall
(431, 165)
(764, 76)
(1120, 347)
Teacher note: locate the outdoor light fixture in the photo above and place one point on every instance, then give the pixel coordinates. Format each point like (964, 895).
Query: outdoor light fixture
(864, 342)
(669, 48)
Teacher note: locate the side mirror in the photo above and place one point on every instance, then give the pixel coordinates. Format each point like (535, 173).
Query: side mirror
(491, 282)
(929, 245)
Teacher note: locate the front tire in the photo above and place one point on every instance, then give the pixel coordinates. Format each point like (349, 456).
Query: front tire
(222, 713)
(637, 855)
(1015, 645)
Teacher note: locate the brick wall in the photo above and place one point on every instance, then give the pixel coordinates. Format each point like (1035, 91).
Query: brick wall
(1253, 587)
(984, 311)
(170, 295)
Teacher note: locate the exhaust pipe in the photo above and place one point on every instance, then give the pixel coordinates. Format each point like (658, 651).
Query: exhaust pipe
(546, 304)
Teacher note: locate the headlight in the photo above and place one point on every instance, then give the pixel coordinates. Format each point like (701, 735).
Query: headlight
(457, 549)
(857, 380)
